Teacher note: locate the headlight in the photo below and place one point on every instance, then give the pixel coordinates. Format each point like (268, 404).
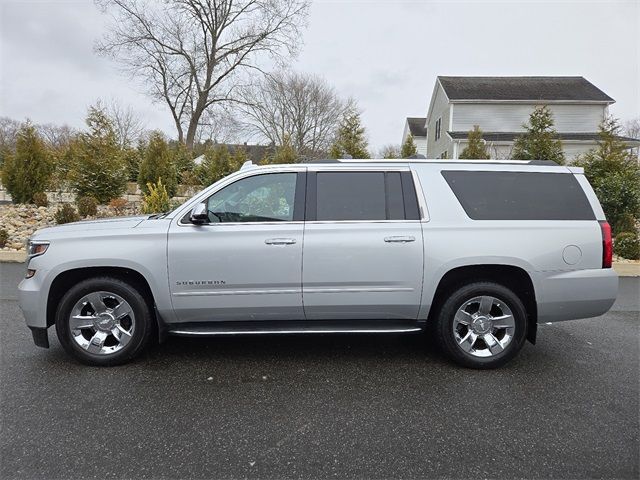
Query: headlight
(36, 248)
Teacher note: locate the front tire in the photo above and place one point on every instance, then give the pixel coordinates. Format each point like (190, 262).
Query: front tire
(482, 325)
(103, 321)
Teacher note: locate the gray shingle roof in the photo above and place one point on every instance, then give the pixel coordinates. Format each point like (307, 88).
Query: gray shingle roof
(417, 126)
(511, 136)
(523, 88)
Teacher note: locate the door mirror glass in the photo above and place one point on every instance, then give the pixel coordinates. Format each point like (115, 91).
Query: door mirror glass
(199, 214)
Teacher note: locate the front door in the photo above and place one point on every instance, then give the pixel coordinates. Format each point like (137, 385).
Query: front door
(246, 263)
(363, 252)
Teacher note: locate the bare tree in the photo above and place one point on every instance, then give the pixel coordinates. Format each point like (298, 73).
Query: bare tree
(631, 129)
(190, 52)
(56, 136)
(301, 107)
(389, 151)
(127, 124)
(219, 125)
(8, 131)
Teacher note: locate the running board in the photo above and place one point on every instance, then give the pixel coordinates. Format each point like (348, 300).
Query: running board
(212, 329)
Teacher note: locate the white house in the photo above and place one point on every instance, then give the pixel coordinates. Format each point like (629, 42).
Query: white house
(500, 106)
(417, 127)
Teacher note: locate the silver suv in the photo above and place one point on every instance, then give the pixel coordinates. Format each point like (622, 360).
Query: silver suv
(477, 252)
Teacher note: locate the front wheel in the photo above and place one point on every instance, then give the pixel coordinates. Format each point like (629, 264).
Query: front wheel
(482, 325)
(103, 321)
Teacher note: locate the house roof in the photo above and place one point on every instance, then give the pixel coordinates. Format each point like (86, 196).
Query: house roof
(511, 136)
(417, 126)
(523, 89)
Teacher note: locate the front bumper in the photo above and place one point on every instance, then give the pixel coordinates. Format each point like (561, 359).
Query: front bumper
(575, 294)
(33, 303)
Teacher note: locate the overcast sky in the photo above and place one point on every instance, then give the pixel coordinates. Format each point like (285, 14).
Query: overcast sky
(384, 53)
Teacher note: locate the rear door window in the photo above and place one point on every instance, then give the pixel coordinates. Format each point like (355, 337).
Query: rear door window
(351, 196)
(361, 196)
(519, 195)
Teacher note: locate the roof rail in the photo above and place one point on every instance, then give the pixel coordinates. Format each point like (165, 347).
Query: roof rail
(549, 163)
(449, 160)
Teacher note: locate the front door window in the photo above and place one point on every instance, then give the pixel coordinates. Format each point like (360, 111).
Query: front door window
(260, 198)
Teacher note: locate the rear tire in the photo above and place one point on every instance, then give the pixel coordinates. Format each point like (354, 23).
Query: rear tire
(481, 325)
(103, 321)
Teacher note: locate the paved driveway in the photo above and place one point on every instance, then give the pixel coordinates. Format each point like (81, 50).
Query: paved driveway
(333, 406)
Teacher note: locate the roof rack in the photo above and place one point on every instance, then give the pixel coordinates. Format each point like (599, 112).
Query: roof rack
(444, 160)
(416, 159)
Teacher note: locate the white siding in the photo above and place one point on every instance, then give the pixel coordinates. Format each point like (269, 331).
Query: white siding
(572, 150)
(502, 151)
(496, 151)
(421, 144)
(440, 110)
(509, 117)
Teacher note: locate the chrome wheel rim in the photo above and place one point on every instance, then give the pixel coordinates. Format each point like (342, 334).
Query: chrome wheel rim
(484, 326)
(102, 323)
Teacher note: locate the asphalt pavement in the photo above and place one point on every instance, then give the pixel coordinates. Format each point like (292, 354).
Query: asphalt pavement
(360, 406)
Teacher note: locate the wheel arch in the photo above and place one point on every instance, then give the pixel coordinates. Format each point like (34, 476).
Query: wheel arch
(64, 279)
(511, 276)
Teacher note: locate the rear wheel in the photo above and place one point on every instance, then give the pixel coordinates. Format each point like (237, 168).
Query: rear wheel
(482, 325)
(103, 321)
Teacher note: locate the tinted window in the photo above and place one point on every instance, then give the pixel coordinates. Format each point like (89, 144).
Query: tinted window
(351, 196)
(260, 198)
(412, 211)
(519, 195)
(395, 203)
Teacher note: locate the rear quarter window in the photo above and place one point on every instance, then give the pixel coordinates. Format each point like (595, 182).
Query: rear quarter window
(519, 195)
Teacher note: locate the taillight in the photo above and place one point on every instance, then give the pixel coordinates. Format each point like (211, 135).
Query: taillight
(607, 244)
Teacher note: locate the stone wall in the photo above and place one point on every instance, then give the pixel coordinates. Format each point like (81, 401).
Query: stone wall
(132, 194)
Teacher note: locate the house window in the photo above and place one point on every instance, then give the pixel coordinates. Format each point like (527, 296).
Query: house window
(438, 125)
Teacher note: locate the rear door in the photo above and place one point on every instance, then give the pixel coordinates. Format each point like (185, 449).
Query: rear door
(363, 252)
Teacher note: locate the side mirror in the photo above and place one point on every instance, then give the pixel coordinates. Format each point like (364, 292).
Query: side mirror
(199, 214)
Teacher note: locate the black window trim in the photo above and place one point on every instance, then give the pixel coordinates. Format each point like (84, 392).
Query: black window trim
(407, 184)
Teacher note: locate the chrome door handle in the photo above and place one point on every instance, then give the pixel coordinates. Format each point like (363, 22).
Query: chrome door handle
(399, 239)
(280, 241)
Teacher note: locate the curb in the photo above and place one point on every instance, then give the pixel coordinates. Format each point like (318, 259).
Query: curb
(622, 269)
(627, 269)
(12, 257)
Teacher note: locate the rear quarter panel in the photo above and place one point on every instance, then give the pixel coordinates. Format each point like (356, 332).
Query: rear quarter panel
(452, 239)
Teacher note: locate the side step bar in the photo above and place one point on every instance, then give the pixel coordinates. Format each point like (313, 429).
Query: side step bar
(290, 327)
